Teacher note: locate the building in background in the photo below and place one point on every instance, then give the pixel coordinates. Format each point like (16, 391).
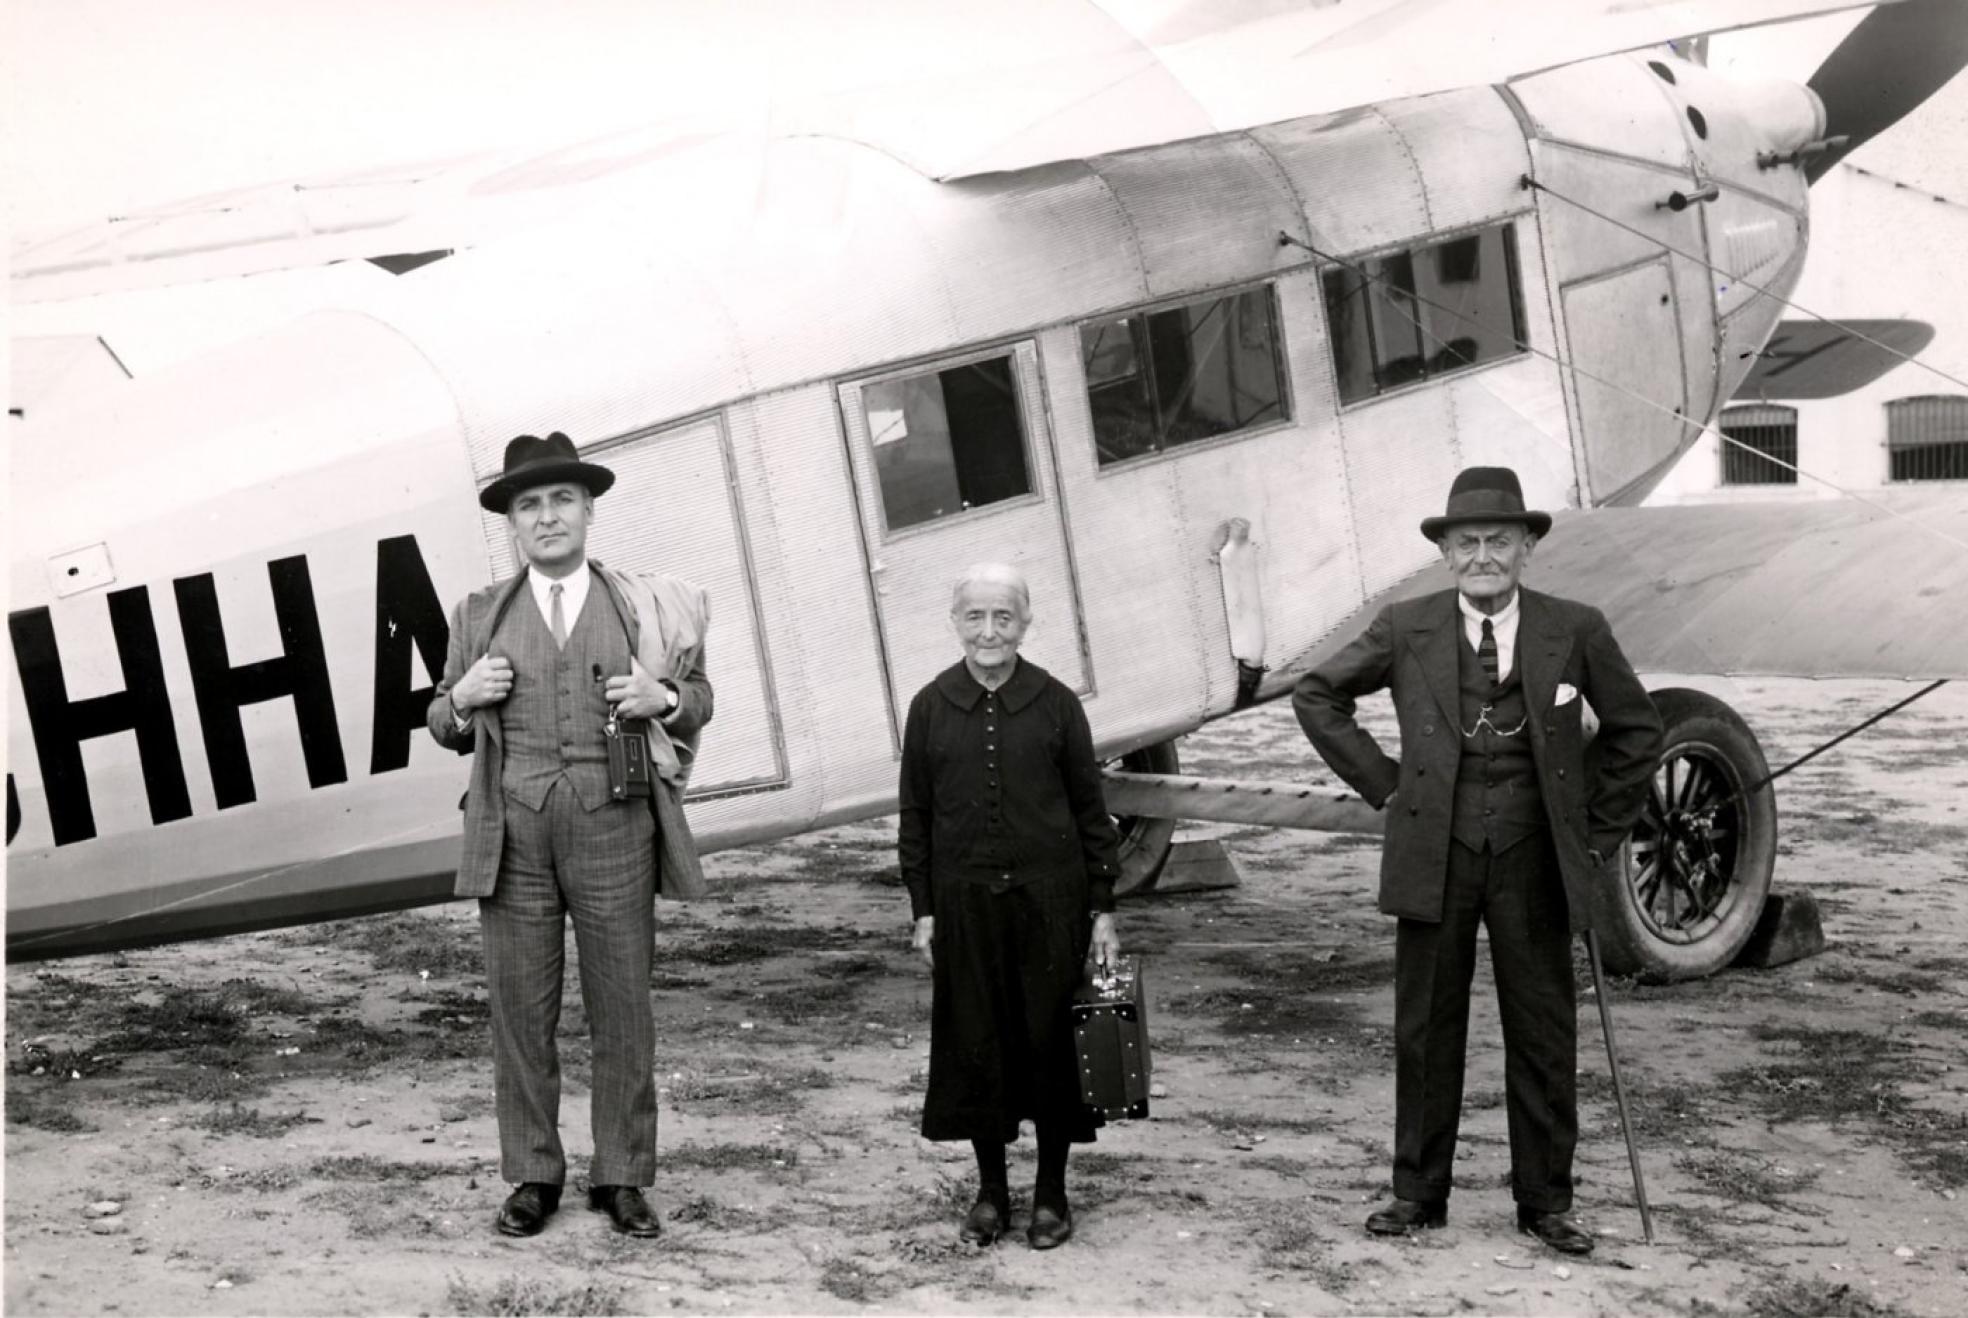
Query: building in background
(1888, 229)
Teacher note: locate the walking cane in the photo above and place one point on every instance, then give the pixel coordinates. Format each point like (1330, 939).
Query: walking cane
(1619, 1090)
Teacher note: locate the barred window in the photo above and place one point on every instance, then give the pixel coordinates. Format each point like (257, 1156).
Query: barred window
(1158, 379)
(1760, 444)
(1927, 438)
(1414, 315)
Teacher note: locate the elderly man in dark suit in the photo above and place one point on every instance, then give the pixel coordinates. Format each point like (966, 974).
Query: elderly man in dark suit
(1492, 817)
(537, 665)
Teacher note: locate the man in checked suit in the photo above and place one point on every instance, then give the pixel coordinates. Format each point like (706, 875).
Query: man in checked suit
(535, 665)
(1492, 816)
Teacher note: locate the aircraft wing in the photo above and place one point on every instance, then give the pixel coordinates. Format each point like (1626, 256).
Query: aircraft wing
(1855, 588)
(1158, 71)
(1833, 588)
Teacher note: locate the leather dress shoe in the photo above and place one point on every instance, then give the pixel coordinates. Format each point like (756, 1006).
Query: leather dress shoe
(527, 1209)
(1555, 1230)
(987, 1218)
(1406, 1215)
(626, 1208)
(1052, 1226)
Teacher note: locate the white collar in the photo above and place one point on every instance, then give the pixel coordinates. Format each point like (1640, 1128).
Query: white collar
(1505, 617)
(573, 592)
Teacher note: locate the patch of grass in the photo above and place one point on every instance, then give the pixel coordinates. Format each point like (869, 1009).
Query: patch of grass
(406, 942)
(852, 967)
(798, 1005)
(534, 1295)
(754, 1093)
(189, 1017)
(368, 1167)
(760, 944)
(1287, 1168)
(846, 1279)
(1661, 1110)
(37, 1111)
(234, 1119)
(365, 1045)
(1744, 1177)
(1295, 1247)
(731, 1157)
(1838, 1074)
(1906, 983)
(1794, 1296)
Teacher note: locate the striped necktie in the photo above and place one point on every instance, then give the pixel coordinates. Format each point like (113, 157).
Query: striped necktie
(1486, 653)
(557, 620)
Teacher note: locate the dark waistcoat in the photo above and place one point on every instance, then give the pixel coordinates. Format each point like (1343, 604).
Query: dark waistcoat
(1497, 801)
(553, 718)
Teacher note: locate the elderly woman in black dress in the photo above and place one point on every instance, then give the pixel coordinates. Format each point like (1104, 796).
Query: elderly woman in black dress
(1010, 857)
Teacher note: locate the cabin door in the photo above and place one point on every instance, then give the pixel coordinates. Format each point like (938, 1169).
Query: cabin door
(1624, 335)
(953, 466)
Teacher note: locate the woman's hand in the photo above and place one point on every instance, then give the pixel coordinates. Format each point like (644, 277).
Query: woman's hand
(925, 931)
(1106, 941)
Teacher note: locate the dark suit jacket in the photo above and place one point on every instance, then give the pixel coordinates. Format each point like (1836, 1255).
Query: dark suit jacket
(679, 872)
(1411, 648)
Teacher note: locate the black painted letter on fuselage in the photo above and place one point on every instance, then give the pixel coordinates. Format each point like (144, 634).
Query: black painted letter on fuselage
(409, 620)
(301, 671)
(61, 725)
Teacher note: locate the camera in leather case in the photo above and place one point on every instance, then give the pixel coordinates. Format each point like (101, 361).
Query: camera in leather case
(630, 773)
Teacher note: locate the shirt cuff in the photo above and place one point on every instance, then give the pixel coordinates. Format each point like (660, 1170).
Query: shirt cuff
(675, 695)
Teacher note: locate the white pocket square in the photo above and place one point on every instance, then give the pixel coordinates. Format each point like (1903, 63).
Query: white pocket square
(1567, 693)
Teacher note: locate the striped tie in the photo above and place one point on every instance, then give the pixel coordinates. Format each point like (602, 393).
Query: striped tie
(557, 620)
(1486, 652)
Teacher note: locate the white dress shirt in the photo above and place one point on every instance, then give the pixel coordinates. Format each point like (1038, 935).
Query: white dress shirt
(1503, 625)
(573, 593)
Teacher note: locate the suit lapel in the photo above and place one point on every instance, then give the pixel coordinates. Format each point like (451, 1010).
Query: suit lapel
(1543, 646)
(496, 606)
(1434, 641)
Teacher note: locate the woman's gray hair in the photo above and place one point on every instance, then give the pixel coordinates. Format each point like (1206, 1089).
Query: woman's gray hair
(993, 574)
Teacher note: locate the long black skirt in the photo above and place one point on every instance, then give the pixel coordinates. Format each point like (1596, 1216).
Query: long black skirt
(1001, 1034)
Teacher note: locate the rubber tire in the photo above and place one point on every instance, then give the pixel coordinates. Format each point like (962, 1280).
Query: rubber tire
(1627, 944)
(1145, 842)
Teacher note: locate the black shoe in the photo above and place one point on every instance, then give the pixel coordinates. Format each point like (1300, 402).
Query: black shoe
(987, 1218)
(527, 1209)
(1555, 1230)
(1406, 1215)
(1052, 1225)
(626, 1208)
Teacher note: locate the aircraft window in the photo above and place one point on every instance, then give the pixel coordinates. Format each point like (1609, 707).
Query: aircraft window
(1699, 122)
(1414, 315)
(1666, 74)
(1158, 379)
(1762, 432)
(947, 441)
(1927, 438)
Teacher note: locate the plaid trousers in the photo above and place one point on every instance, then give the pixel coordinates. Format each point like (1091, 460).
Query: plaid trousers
(599, 867)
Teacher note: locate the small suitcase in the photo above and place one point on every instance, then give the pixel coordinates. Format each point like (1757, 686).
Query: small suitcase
(1110, 1035)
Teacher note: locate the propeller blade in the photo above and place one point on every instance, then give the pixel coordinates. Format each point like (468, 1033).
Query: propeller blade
(1898, 56)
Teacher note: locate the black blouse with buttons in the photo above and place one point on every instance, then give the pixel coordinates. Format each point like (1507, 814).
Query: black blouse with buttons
(1001, 788)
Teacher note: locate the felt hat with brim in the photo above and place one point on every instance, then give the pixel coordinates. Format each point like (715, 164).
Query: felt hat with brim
(532, 461)
(1486, 494)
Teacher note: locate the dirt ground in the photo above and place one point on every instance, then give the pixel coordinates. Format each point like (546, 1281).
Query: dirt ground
(300, 1122)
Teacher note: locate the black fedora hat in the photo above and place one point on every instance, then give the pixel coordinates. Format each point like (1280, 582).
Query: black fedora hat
(532, 461)
(1485, 494)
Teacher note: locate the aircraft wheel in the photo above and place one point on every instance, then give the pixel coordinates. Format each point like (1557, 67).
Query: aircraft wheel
(1145, 842)
(1691, 880)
